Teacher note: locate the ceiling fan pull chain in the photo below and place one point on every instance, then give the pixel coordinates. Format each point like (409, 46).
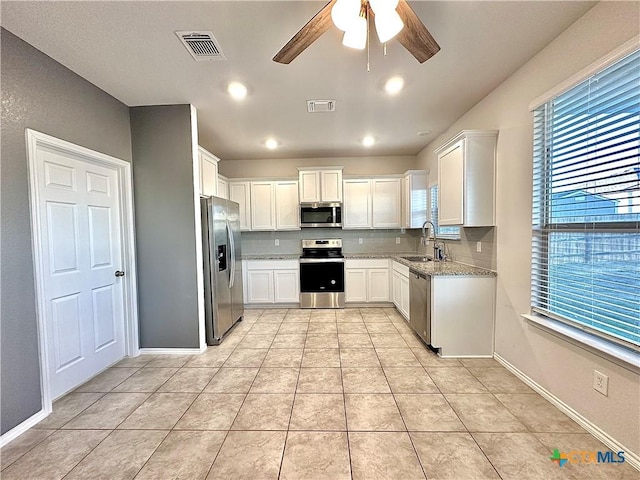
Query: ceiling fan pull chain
(384, 48)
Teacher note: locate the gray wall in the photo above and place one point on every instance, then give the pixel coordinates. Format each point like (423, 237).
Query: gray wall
(165, 226)
(41, 94)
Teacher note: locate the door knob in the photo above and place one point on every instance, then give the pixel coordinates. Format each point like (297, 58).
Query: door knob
(119, 273)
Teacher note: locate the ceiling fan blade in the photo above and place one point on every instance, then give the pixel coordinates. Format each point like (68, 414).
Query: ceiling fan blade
(308, 34)
(414, 36)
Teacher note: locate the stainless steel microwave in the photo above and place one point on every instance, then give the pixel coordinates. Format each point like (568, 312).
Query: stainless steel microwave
(320, 215)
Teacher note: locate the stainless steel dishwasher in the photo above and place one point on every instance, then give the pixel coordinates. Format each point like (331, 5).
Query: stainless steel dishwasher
(420, 304)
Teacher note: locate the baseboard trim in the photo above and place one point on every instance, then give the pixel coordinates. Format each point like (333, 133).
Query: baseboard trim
(172, 351)
(630, 457)
(18, 430)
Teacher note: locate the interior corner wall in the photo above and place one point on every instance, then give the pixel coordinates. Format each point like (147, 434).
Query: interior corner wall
(165, 226)
(41, 94)
(559, 366)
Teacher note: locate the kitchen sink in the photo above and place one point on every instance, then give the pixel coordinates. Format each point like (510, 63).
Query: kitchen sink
(417, 259)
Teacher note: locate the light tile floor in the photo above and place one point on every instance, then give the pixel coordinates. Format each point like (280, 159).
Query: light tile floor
(305, 394)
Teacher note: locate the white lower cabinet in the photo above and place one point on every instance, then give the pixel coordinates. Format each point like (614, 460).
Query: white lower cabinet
(400, 288)
(271, 281)
(367, 280)
(462, 315)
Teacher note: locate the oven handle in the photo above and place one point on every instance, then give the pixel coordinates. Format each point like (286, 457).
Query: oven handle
(322, 260)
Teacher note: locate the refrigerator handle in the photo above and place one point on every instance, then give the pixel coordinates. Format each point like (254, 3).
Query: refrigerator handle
(232, 256)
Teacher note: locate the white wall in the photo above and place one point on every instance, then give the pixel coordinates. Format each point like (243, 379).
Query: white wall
(562, 368)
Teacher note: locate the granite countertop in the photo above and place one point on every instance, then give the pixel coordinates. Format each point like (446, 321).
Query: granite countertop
(428, 268)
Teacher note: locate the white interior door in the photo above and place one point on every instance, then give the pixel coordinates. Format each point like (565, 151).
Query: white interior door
(80, 238)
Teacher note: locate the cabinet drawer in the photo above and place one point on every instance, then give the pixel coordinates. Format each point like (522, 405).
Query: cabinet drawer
(367, 263)
(401, 269)
(271, 264)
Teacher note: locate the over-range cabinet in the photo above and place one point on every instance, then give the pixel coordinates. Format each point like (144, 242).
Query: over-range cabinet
(222, 264)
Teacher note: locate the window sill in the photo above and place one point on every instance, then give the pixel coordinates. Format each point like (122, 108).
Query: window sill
(620, 355)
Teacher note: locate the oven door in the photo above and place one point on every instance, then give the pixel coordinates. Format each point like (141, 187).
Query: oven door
(321, 283)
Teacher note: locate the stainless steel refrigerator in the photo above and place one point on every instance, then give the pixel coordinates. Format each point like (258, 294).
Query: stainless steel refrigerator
(222, 266)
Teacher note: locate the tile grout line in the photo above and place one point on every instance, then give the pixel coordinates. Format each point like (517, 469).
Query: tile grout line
(403, 420)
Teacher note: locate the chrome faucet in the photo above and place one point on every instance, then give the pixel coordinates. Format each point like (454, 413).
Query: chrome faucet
(437, 249)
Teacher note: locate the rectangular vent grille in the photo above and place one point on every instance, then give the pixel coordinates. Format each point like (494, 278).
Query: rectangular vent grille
(318, 106)
(201, 45)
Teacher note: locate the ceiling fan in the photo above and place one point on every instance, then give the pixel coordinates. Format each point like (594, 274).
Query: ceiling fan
(414, 36)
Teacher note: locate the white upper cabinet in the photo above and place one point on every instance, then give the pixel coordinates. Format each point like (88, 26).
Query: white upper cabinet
(386, 204)
(466, 179)
(356, 209)
(240, 192)
(208, 172)
(320, 184)
(263, 206)
(223, 187)
(287, 205)
(414, 211)
(374, 203)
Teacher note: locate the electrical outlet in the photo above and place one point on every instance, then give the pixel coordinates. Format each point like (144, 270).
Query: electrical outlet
(478, 246)
(397, 240)
(277, 242)
(360, 241)
(403, 230)
(600, 382)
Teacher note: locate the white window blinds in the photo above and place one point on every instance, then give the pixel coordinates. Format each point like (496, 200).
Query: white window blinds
(441, 232)
(586, 204)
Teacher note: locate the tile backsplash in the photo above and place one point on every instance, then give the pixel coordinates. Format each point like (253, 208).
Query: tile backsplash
(384, 241)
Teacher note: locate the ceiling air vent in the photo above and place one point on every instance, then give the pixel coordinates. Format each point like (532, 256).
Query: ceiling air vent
(318, 106)
(201, 45)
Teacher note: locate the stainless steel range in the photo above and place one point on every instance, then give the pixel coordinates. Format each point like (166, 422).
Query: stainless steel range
(322, 274)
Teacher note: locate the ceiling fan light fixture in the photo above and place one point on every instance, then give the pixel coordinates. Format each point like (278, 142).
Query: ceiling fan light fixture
(356, 36)
(388, 25)
(344, 13)
(380, 6)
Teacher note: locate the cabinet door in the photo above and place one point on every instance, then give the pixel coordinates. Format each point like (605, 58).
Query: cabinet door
(355, 288)
(260, 286)
(395, 289)
(386, 199)
(262, 206)
(378, 285)
(356, 209)
(286, 286)
(404, 297)
(309, 182)
(239, 192)
(223, 188)
(451, 186)
(331, 185)
(287, 206)
(209, 174)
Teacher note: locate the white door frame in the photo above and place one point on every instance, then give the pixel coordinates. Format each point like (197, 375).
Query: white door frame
(130, 294)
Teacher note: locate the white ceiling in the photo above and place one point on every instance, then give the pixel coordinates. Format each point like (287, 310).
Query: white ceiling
(129, 50)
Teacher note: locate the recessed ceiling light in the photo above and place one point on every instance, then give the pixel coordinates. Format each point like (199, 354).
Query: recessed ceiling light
(237, 90)
(271, 143)
(394, 85)
(422, 133)
(368, 141)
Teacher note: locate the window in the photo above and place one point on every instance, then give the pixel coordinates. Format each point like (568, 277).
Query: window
(586, 205)
(441, 232)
